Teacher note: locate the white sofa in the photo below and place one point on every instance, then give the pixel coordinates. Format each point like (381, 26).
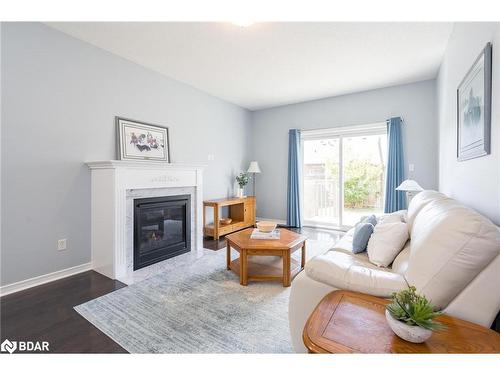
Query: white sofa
(452, 257)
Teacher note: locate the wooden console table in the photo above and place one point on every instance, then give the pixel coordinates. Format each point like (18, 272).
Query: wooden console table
(349, 322)
(241, 211)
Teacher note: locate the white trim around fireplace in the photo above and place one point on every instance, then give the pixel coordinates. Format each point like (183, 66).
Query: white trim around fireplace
(111, 180)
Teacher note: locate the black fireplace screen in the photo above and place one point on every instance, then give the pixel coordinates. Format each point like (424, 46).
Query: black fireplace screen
(161, 229)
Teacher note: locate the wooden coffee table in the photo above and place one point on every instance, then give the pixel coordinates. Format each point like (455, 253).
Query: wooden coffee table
(349, 322)
(288, 243)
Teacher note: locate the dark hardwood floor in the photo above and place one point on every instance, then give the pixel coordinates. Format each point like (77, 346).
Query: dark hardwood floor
(45, 313)
(210, 243)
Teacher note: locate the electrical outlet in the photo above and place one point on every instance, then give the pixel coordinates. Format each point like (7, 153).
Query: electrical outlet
(61, 244)
(211, 157)
(411, 167)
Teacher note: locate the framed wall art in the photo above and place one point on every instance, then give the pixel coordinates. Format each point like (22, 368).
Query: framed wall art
(138, 140)
(474, 109)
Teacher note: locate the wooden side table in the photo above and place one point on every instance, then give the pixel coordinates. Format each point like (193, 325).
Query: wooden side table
(349, 322)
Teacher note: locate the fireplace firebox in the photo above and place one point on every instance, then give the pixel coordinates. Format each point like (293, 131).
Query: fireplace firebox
(161, 229)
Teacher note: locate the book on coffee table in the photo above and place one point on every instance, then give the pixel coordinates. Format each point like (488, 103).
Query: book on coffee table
(258, 235)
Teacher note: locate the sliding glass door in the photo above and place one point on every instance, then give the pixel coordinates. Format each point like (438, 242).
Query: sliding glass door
(321, 186)
(343, 174)
(364, 161)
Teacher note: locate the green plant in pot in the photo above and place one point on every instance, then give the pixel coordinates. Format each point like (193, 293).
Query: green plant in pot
(411, 316)
(242, 179)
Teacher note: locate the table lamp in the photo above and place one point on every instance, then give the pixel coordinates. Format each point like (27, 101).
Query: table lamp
(411, 187)
(254, 168)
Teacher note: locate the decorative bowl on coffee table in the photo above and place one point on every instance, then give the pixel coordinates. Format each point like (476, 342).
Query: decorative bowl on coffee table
(266, 226)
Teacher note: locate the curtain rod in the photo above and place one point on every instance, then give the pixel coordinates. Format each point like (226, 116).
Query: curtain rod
(349, 126)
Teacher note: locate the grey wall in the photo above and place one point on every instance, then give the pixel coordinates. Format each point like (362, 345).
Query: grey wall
(60, 96)
(476, 182)
(414, 102)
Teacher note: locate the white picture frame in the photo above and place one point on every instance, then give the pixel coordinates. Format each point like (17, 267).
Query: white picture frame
(137, 140)
(474, 109)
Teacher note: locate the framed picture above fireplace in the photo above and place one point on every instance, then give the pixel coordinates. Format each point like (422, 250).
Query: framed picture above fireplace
(141, 141)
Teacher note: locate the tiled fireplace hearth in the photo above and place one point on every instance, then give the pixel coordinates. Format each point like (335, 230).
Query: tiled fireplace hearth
(117, 188)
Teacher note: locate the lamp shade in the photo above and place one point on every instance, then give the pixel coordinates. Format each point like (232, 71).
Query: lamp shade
(254, 167)
(409, 185)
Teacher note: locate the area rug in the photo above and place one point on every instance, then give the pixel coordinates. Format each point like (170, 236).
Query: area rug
(197, 307)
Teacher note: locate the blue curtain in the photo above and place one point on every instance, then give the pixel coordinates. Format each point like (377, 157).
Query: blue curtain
(293, 193)
(394, 200)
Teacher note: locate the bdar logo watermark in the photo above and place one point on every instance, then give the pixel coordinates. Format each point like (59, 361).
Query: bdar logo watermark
(8, 346)
(24, 346)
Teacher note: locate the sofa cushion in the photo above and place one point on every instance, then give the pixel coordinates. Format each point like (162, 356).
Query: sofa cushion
(450, 245)
(345, 243)
(355, 273)
(362, 233)
(386, 242)
(419, 201)
(395, 217)
(400, 264)
(402, 214)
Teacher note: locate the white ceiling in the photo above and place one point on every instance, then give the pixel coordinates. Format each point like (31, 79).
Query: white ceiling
(271, 64)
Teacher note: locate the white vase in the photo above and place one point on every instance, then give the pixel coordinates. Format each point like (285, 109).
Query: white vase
(240, 192)
(415, 334)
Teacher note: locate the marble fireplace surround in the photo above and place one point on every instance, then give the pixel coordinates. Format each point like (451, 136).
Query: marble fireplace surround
(114, 186)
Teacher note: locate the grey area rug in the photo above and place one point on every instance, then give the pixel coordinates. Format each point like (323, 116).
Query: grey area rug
(197, 307)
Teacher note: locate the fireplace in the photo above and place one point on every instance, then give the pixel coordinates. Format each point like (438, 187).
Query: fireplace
(161, 229)
(115, 186)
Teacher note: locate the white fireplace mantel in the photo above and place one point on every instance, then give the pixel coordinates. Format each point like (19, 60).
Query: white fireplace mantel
(111, 180)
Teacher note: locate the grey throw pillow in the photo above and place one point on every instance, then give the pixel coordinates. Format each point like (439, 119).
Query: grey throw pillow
(372, 219)
(360, 238)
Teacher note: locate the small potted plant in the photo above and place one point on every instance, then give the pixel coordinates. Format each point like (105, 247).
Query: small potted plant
(411, 316)
(242, 180)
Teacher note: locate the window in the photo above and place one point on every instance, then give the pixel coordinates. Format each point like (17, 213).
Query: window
(343, 174)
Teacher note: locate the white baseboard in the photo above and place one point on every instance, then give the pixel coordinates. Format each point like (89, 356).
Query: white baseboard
(279, 221)
(43, 279)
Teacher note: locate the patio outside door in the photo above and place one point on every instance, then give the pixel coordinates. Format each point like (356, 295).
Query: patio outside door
(343, 174)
